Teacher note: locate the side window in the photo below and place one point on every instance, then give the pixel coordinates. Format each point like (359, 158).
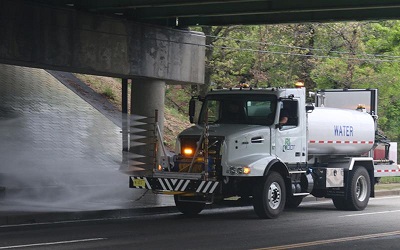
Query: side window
(289, 114)
(213, 111)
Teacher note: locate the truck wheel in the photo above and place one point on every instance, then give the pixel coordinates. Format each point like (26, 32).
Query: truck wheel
(294, 201)
(359, 189)
(340, 203)
(189, 208)
(270, 196)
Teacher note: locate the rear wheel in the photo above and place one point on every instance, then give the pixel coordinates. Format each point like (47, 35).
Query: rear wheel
(358, 191)
(190, 206)
(340, 203)
(270, 196)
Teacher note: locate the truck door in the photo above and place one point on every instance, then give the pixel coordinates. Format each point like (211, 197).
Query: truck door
(290, 135)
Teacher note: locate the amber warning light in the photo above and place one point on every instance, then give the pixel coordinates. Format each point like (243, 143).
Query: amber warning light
(299, 84)
(188, 151)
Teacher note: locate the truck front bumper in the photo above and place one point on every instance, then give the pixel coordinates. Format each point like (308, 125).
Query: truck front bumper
(163, 184)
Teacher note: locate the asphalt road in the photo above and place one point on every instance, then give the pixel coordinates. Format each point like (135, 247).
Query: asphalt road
(314, 225)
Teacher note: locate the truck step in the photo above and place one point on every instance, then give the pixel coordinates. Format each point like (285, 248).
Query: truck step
(301, 194)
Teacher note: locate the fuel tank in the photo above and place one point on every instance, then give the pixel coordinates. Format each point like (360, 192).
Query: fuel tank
(339, 132)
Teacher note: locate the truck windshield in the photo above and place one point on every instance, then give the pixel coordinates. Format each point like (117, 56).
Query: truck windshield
(254, 109)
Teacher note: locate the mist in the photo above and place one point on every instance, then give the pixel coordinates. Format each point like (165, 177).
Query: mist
(57, 152)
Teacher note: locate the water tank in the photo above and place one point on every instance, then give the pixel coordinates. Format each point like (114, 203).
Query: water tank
(334, 131)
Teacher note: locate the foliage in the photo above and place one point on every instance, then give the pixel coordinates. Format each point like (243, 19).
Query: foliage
(388, 180)
(107, 86)
(177, 97)
(108, 92)
(329, 55)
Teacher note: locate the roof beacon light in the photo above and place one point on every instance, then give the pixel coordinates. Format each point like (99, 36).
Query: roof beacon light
(299, 84)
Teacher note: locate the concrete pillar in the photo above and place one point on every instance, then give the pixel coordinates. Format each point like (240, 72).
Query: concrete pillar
(125, 139)
(146, 97)
(124, 96)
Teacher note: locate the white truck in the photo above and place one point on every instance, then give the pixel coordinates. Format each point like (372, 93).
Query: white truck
(241, 146)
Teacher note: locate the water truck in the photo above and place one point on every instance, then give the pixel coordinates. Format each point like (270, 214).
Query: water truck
(269, 146)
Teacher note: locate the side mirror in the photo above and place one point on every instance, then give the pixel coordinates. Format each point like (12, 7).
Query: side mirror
(192, 109)
(309, 108)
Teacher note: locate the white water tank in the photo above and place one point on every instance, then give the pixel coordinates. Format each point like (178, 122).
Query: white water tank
(334, 131)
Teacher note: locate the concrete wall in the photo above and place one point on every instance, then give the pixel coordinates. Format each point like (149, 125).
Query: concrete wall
(67, 40)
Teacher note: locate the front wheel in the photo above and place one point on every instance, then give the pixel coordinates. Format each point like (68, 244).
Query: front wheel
(270, 196)
(190, 207)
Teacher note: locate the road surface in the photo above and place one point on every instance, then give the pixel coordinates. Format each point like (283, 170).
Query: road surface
(314, 225)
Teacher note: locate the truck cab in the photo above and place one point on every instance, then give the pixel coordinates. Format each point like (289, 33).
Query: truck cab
(248, 120)
(250, 132)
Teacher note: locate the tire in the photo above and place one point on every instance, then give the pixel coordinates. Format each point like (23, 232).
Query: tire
(294, 201)
(269, 196)
(189, 208)
(340, 203)
(359, 189)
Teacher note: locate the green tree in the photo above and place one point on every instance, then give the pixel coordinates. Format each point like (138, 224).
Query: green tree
(329, 55)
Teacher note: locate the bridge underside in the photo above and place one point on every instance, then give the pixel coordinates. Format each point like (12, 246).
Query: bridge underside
(75, 41)
(232, 12)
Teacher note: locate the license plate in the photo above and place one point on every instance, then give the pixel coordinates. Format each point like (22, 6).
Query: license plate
(139, 183)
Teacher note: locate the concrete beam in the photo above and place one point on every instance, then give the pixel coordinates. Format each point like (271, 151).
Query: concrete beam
(69, 40)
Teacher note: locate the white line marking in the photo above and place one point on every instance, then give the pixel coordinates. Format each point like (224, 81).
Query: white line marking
(179, 185)
(336, 240)
(162, 184)
(206, 187)
(168, 184)
(174, 181)
(184, 186)
(213, 188)
(201, 185)
(383, 212)
(52, 243)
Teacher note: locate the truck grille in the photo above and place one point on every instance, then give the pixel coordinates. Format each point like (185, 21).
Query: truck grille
(182, 163)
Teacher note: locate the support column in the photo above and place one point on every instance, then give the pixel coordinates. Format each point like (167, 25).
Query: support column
(124, 96)
(146, 97)
(125, 126)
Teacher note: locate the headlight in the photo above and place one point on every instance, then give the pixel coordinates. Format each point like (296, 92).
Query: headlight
(246, 170)
(232, 170)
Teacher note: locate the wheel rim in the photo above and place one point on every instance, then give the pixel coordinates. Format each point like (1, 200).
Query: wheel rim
(274, 195)
(361, 188)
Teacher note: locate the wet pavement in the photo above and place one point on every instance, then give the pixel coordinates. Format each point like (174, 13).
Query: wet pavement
(57, 152)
